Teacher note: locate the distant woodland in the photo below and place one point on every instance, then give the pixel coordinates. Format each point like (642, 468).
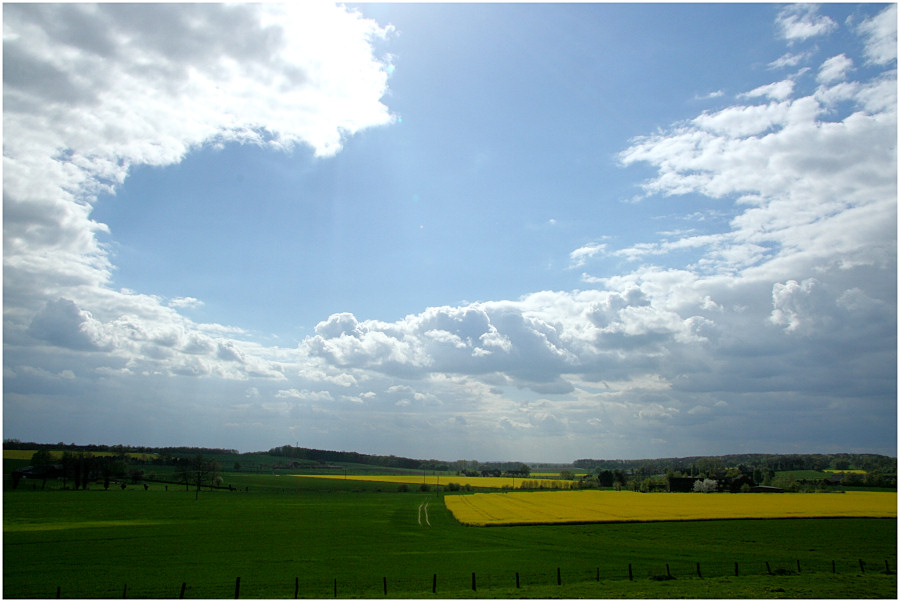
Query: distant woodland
(691, 465)
(117, 449)
(773, 462)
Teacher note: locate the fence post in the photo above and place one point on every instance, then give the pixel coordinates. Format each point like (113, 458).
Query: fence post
(296, 587)
(798, 566)
(833, 567)
(630, 576)
(237, 588)
(183, 585)
(862, 565)
(699, 575)
(735, 569)
(125, 591)
(769, 569)
(598, 573)
(517, 579)
(473, 583)
(887, 567)
(434, 583)
(335, 587)
(58, 591)
(558, 577)
(385, 585)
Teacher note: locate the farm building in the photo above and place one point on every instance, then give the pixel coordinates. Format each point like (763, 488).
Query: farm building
(681, 484)
(766, 489)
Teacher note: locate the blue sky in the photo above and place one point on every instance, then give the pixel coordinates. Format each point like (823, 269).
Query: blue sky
(512, 231)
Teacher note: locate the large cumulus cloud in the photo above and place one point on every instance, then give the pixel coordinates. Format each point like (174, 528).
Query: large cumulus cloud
(532, 342)
(92, 90)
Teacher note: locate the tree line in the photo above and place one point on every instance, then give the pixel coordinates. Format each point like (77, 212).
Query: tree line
(469, 467)
(118, 449)
(323, 456)
(759, 465)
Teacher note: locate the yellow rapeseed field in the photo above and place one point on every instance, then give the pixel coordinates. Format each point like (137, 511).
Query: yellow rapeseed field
(627, 506)
(18, 454)
(412, 480)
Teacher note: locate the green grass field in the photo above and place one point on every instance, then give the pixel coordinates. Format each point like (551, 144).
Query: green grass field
(356, 536)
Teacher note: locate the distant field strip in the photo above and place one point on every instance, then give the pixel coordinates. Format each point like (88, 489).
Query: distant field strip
(486, 482)
(518, 508)
(15, 526)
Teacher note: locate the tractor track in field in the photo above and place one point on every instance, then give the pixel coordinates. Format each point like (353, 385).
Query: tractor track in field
(424, 507)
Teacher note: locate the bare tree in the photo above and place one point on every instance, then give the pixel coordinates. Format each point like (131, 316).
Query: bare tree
(202, 471)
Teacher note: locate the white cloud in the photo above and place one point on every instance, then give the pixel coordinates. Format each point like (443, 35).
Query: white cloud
(304, 395)
(656, 411)
(744, 120)
(834, 69)
(789, 59)
(186, 302)
(798, 22)
(881, 36)
(581, 255)
(792, 302)
(800, 180)
(62, 323)
(776, 90)
(711, 95)
(533, 342)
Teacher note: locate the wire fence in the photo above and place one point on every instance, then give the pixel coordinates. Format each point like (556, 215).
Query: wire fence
(441, 584)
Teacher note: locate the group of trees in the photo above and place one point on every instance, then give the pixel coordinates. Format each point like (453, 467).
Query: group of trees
(199, 471)
(496, 469)
(84, 467)
(79, 467)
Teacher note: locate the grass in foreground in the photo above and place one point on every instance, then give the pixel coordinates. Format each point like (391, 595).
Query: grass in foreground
(751, 587)
(310, 532)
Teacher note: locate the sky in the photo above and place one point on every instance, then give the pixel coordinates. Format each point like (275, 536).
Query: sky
(530, 232)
